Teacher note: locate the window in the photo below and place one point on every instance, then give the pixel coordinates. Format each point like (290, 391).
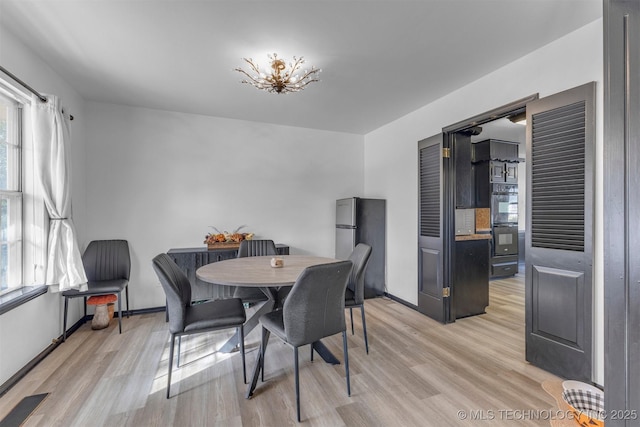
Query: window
(24, 222)
(10, 194)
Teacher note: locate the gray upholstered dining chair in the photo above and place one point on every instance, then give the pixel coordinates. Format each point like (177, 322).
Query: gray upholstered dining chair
(253, 248)
(187, 319)
(107, 264)
(354, 295)
(314, 309)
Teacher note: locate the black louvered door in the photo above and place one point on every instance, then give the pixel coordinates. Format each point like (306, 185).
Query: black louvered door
(559, 234)
(430, 235)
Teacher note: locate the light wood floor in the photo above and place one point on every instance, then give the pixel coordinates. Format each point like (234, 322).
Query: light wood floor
(418, 373)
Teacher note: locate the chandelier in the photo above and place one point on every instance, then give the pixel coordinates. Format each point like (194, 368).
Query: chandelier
(280, 79)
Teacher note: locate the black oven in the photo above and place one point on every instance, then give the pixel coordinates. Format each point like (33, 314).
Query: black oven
(505, 240)
(504, 204)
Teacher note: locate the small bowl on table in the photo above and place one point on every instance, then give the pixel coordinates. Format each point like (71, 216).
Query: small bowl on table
(586, 403)
(277, 262)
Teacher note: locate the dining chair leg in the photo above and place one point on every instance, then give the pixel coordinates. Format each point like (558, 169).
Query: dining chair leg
(346, 361)
(351, 315)
(311, 347)
(297, 379)
(126, 290)
(170, 367)
(120, 311)
(178, 356)
(244, 366)
(259, 363)
(64, 322)
(263, 349)
(364, 329)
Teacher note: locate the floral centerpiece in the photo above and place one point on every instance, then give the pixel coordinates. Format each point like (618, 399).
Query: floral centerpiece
(226, 239)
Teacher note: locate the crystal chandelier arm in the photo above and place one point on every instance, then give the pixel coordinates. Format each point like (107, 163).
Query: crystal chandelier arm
(240, 70)
(306, 78)
(253, 66)
(252, 80)
(293, 68)
(311, 75)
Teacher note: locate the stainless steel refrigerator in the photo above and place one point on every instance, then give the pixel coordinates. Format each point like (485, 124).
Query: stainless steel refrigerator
(363, 221)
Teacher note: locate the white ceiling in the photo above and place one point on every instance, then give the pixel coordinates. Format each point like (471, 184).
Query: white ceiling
(380, 59)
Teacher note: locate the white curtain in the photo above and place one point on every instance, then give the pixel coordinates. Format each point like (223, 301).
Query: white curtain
(51, 140)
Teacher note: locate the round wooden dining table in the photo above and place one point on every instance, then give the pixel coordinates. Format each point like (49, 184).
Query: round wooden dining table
(257, 272)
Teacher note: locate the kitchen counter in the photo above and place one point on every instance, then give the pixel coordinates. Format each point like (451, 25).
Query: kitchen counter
(473, 237)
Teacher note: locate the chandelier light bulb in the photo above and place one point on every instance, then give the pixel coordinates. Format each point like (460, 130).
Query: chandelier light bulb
(280, 79)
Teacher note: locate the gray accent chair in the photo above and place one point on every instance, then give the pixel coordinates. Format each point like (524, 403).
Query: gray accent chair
(187, 319)
(314, 309)
(253, 248)
(107, 264)
(354, 295)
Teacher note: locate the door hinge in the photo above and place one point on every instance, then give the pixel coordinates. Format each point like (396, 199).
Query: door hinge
(446, 153)
(446, 292)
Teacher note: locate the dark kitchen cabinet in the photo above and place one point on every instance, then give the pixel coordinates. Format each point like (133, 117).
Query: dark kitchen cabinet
(499, 172)
(510, 173)
(487, 175)
(471, 277)
(496, 171)
(494, 162)
(190, 259)
(506, 265)
(480, 164)
(483, 183)
(465, 188)
(503, 172)
(495, 149)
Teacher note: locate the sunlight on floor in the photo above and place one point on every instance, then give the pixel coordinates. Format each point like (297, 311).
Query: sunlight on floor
(198, 353)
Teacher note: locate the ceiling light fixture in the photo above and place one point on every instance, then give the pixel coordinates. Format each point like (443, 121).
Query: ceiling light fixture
(280, 79)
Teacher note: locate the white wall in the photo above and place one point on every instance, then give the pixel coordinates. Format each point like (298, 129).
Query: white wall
(29, 329)
(391, 170)
(160, 179)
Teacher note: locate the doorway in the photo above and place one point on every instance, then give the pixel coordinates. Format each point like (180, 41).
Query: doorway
(505, 188)
(442, 195)
(560, 140)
